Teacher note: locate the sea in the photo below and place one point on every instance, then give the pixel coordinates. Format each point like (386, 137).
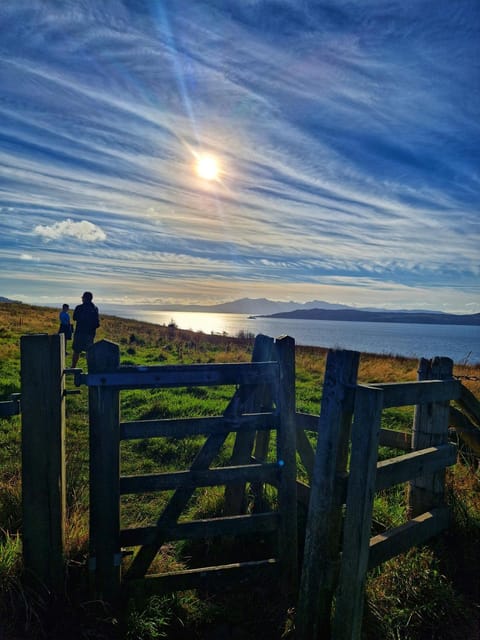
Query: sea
(461, 343)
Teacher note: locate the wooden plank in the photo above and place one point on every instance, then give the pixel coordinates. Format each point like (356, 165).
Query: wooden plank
(9, 408)
(399, 394)
(395, 439)
(206, 528)
(470, 404)
(417, 531)
(42, 360)
(262, 443)
(104, 418)
(358, 516)
(306, 421)
(235, 501)
(185, 375)
(181, 427)
(286, 457)
(411, 465)
(262, 439)
(306, 452)
(303, 493)
(214, 578)
(465, 429)
(460, 420)
(322, 541)
(388, 474)
(200, 478)
(430, 429)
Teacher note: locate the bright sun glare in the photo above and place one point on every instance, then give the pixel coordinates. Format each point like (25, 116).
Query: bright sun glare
(207, 167)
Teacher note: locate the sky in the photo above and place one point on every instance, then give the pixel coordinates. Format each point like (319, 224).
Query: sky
(346, 135)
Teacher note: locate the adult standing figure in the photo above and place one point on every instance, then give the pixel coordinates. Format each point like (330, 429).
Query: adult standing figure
(87, 322)
(65, 324)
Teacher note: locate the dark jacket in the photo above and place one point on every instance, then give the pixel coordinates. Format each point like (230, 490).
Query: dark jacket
(86, 317)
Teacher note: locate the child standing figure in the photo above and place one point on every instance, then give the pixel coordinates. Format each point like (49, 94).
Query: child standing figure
(65, 324)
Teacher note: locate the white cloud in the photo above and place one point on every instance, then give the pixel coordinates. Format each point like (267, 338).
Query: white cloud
(83, 230)
(26, 256)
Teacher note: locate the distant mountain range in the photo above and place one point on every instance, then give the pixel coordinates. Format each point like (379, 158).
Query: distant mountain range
(248, 305)
(322, 310)
(263, 306)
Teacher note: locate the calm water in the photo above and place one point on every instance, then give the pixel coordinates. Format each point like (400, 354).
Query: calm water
(461, 343)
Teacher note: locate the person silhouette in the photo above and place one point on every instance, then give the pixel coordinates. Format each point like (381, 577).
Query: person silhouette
(87, 322)
(65, 324)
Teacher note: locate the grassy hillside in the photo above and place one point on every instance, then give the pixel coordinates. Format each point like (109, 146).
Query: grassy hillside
(431, 592)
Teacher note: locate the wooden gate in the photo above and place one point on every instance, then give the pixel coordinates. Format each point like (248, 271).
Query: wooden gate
(263, 402)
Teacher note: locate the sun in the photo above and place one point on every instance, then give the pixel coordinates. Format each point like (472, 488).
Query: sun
(207, 167)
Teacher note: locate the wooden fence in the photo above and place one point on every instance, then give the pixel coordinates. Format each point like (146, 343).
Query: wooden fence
(339, 550)
(343, 471)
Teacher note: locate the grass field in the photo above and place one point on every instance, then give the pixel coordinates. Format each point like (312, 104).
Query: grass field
(431, 592)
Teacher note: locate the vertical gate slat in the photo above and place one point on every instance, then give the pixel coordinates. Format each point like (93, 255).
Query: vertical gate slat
(104, 414)
(358, 515)
(286, 456)
(322, 541)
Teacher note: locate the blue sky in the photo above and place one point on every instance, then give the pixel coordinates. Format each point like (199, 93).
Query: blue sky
(347, 136)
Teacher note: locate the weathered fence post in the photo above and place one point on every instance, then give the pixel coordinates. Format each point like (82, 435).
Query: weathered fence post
(358, 513)
(322, 542)
(104, 413)
(430, 429)
(43, 457)
(286, 456)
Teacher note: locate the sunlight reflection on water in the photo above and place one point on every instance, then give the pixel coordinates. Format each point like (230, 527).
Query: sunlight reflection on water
(412, 340)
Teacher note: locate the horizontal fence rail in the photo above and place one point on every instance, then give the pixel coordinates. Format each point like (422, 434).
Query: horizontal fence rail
(412, 465)
(203, 478)
(208, 577)
(205, 528)
(416, 531)
(10, 407)
(168, 376)
(197, 426)
(399, 394)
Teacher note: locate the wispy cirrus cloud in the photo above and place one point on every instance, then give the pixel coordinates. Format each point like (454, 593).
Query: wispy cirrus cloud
(347, 132)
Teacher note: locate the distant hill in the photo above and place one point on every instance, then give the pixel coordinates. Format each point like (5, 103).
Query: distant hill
(2, 299)
(357, 315)
(248, 305)
(259, 307)
(263, 306)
